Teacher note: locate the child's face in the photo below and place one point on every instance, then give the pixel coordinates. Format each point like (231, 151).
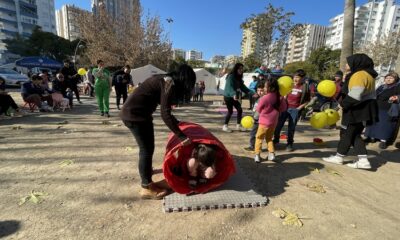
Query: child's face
(260, 92)
(297, 80)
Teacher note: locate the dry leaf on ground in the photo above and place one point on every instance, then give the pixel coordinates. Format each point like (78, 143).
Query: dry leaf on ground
(63, 122)
(35, 197)
(314, 170)
(129, 149)
(66, 163)
(106, 122)
(16, 128)
(289, 218)
(334, 172)
(315, 187)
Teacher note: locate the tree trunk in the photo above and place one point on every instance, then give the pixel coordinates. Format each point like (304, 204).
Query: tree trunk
(348, 32)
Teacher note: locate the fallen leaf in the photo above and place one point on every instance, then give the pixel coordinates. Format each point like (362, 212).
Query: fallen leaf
(66, 163)
(63, 122)
(280, 213)
(117, 125)
(129, 149)
(318, 188)
(35, 197)
(314, 170)
(58, 127)
(293, 220)
(105, 122)
(334, 172)
(16, 128)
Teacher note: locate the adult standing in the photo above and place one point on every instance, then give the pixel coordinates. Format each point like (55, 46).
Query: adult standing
(387, 125)
(121, 80)
(232, 93)
(136, 113)
(102, 88)
(360, 109)
(72, 78)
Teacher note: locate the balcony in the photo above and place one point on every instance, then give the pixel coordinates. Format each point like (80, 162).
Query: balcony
(28, 5)
(8, 11)
(8, 21)
(10, 33)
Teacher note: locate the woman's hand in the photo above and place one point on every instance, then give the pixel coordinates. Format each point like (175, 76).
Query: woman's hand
(394, 99)
(186, 142)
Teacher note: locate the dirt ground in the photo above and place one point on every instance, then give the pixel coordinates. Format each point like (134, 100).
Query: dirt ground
(95, 195)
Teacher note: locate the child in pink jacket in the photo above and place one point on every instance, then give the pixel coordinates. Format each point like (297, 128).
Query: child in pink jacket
(269, 107)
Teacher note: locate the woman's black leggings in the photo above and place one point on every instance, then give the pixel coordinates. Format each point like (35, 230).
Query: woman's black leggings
(352, 137)
(144, 135)
(230, 103)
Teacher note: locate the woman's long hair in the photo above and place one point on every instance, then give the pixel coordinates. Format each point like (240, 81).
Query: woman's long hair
(184, 81)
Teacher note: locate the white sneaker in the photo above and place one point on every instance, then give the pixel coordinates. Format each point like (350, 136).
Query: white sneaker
(240, 128)
(333, 159)
(226, 129)
(257, 159)
(362, 163)
(271, 156)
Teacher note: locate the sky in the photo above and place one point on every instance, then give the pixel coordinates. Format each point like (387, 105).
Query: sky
(213, 26)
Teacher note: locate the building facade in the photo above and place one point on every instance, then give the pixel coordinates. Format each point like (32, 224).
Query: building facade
(372, 21)
(67, 22)
(46, 15)
(302, 44)
(178, 53)
(21, 17)
(217, 59)
(193, 55)
(277, 57)
(115, 8)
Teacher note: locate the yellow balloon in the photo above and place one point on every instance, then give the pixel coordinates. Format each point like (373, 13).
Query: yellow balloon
(247, 122)
(82, 71)
(326, 88)
(285, 85)
(333, 116)
(319, 120)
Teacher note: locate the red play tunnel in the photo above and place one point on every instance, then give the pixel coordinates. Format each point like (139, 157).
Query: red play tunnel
(176, 157)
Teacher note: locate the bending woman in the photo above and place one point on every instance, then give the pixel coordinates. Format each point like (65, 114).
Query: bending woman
(136, 113)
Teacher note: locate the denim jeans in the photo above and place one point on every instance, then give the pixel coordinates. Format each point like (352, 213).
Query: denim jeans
(253, 134)
(292, 114)
(143, 132)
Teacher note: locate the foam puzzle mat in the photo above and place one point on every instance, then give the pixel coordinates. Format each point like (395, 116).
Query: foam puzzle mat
(237, 192)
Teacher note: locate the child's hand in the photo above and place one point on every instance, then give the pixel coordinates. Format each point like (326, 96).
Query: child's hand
(186, 142)
(210, 173)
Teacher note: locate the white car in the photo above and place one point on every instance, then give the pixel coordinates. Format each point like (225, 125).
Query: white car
(13, 78)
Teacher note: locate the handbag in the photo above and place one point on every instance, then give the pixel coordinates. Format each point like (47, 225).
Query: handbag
(394, 110)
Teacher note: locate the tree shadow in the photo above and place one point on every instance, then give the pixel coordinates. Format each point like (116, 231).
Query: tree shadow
(269, 178)
(9, 227)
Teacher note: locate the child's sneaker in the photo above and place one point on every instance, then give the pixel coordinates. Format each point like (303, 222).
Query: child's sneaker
(257, 158)
(249, 149)
(226, 129)
(271, 156)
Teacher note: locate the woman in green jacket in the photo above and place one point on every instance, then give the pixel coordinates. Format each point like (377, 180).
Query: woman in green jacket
(234, 85)
(102, 88)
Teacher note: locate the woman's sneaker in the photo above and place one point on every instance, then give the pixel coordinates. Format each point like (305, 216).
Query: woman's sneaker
(240, 128)
(257, 158)
(362, 163)
(226, 129)
(333, 159)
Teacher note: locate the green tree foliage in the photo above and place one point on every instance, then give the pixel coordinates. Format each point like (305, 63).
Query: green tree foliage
(326, 62)
(250, 63)
(272, 25)
(42, 44)
(322, 64)
(196, 63)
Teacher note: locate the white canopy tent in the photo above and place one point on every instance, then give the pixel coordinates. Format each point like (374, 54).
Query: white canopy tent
(208, 78)
(143, 73)
(247, 78)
